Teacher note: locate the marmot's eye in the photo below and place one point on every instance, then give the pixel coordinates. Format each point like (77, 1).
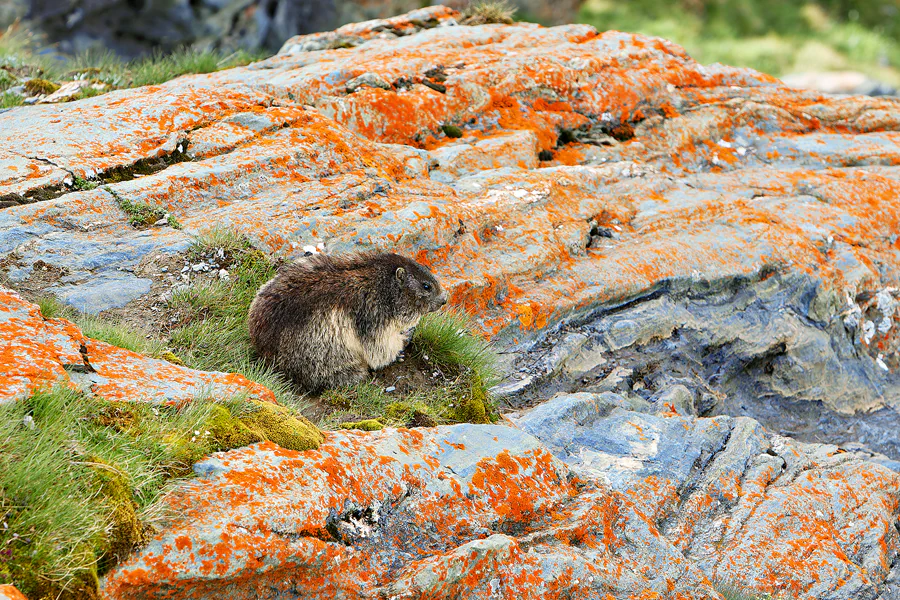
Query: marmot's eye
(427, 286)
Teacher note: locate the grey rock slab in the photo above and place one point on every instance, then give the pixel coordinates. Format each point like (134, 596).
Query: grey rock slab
(749, 507)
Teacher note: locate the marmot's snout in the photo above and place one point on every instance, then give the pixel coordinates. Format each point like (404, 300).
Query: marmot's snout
(437, 302)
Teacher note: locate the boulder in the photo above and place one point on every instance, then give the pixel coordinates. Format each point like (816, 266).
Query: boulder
(747, 506)
(597, 495)
(464, 511)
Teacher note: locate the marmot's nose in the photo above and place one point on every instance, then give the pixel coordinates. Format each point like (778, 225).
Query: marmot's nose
(442, 299)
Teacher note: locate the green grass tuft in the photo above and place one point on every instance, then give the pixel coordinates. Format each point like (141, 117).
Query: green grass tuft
(53, 308)
(140, 215)
(449, 340)
(10, 100)
(83, 184)
(57, 449)
(117, 333)
(48, 502)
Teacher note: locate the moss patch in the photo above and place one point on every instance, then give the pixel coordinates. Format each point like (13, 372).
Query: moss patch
(39, 87)
(126, 531)
(364, 425)
(280, 425)
(228, 430)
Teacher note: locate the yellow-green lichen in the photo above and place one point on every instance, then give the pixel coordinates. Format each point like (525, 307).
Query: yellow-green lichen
(364, 425)
(278, 424)
(243, 423)
(37, 87)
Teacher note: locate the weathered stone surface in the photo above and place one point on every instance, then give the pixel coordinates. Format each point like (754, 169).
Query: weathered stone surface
(746, 506)
(36, 352)
(464, 511)
(485, 511)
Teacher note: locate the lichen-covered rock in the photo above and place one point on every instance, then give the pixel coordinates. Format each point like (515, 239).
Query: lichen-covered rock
(463, 511)
(749, 507)
(36, 352)
(648, 504)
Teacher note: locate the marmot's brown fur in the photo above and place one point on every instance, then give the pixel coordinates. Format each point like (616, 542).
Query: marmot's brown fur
(326, 320)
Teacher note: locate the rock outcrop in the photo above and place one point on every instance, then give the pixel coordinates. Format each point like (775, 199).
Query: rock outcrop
(706, 261)
(649, 506)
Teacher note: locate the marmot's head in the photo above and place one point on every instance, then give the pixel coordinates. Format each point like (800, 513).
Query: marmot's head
(418, 286)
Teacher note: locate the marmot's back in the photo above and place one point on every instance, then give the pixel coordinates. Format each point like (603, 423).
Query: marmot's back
(324, 321)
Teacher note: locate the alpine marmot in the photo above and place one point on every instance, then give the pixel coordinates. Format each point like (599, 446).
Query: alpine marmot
(324, 321)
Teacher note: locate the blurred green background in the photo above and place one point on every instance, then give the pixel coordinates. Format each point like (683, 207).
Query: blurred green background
(774, 36)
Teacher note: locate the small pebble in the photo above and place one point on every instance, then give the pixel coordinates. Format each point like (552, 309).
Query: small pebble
(390, 389)
(223, 275)
(28, 421)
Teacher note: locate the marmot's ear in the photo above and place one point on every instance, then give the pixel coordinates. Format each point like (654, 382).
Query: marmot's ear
(400, 273)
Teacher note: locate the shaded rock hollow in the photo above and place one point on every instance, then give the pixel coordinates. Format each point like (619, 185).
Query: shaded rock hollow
(619, 218)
